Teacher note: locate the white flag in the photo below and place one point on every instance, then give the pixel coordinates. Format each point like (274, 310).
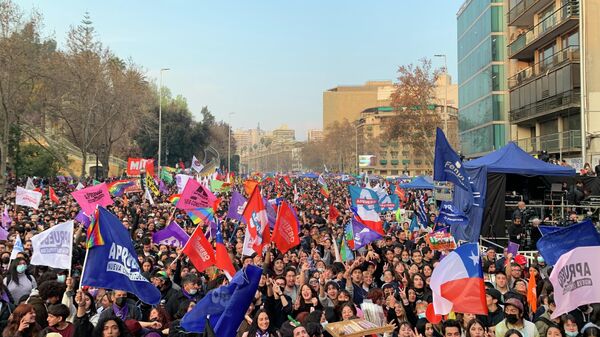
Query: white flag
(196, 165)
(248, 243)
(148, 197)
(17, 247)
(181, 180)
(79, 187)
(54, 246)
(29, 185)
(28, 198)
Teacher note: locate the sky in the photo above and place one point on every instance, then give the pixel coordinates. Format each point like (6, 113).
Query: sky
(264, 61)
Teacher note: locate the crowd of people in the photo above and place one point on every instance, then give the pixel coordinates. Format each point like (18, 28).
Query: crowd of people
(300, 292)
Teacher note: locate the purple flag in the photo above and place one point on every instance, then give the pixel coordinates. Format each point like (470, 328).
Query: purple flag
(6, 219)
(363, 235)
(61, 179)
(172, 235)
(83, 218)
(236, 206)
(513, 248)
(3, 233)
(162, 188)
(271, 214)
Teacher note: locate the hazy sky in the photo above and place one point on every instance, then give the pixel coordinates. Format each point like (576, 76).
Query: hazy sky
(267, 61)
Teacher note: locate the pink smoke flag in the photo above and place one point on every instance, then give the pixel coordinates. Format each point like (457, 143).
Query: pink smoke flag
(91, 196)
(576, 279)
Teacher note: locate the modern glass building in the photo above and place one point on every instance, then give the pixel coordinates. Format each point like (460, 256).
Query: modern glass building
(482, 84)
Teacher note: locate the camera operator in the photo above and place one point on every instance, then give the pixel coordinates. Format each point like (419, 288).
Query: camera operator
(516, 231)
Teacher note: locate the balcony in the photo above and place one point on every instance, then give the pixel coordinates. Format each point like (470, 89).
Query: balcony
(395, 162)
(567, 55)
(522, 13)
(568, 141)
(383, 162)
(553, 104)
(559, 22)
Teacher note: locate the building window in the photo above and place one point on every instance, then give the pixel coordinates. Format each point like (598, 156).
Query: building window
(383, 154)
(394, 154)
(570, 40)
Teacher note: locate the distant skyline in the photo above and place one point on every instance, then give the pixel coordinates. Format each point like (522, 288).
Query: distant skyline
(267, 61)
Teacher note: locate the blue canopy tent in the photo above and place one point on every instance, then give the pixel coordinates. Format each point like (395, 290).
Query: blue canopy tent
(419, 183)
(310, 175)
(510, 159)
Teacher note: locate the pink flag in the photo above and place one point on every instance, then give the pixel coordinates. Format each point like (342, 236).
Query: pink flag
(576, 279)
(195, 195)
(91, 196)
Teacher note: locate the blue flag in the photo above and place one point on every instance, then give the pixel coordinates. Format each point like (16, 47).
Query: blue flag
(548, 229)
(447, 165)
(363, 235)
(557, 243)
(414, 224)
(389, 203)
(114, 264)
(451, 215)
(225, 306)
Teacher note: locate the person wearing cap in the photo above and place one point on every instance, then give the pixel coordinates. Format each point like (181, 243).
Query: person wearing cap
(161, 280)
(495, 314)
(514, 319)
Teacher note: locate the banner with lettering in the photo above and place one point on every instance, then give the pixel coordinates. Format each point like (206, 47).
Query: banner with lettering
(151, 185)
(54, 246)
(91, 196)
(195, 195)
(135, 166)
(28, 198)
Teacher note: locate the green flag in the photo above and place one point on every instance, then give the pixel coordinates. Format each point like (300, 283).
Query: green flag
(96, 182)
(166, 176)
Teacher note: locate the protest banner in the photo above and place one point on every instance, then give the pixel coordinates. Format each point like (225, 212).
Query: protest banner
(135, 166)
(91, 196)
(195, 195)
(28, 198)
(54, 246)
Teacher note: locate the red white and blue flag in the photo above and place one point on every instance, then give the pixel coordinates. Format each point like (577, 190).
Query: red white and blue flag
(457, 282)
(365, 204)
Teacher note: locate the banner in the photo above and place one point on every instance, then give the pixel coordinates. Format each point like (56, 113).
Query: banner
(451, 215)
(447, 165)
(472, 204)
(195, 195)
(151, 185)
(389, 203)
(135, 166)
(576, 279)
(91, 196)
(441, 241)
(54, 246)
(555, 244)
(366, 203)
(28, 198)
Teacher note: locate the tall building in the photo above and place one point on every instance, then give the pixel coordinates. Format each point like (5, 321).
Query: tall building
(555, 75)
(347, 102)
(284, 134)
(482, 87)
(315, 136)
(245, 139)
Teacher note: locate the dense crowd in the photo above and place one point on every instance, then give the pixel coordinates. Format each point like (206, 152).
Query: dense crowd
(300, 292)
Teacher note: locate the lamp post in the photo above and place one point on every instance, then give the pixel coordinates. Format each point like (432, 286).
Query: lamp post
(446, 92)
(160, 116)
(356, 148)
(229, 144)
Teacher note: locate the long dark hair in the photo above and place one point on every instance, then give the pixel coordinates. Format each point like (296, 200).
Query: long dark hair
(254, 326)
(13, 275)
(99, 329)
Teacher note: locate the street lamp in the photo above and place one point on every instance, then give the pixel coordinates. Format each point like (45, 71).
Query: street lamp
(356, 147)
(160, 115)
(229, 145)
(446, 92)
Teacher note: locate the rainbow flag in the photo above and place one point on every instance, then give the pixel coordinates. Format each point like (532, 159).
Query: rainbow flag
(324, 188)
(117, 188)
(201, 215)
(345, 252)
(174, 199)
(94, 237)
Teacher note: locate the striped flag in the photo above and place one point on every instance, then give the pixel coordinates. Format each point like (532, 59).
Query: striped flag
(324, 188)
(422, 210)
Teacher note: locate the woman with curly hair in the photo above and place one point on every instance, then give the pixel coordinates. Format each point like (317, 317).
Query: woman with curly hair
(22, 323)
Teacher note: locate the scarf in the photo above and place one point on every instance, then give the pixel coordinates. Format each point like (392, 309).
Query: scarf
(121, 312)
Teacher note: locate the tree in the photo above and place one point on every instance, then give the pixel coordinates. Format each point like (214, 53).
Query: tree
(416, 118)
(313, 155)
(36, 161)
(218, 138)
(339, 138)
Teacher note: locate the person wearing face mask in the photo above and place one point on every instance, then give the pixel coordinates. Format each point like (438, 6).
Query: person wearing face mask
(570, 326)
(513, 313)
(121, 307)
(165, 285)
(544, 322)
(19, 281)
(189, 291)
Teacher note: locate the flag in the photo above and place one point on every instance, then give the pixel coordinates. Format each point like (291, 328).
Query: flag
(219, 186)
(117, 188)
(199, 250)
(271, 213)
(225, 306)
(17, 247)
(148, 196)
(3, 233)
(196, 165)
(90, 197)
(165, 175)
(256, 217)
(365, 203)
(422, 210)
(249, 186)
(236, 206)
(28, 198)
(6, 219)
(548, 229)
(79, 186)
(94, 235)
(114, 265)
(222, 259)
(173, 199)
(457, 282)
(532, 293)
(576, 277)
(296, 195)
(333, 214)
(414, 224)
(54, 246)
(195, 195)
(555, 244)
(287, 181)
(181, 180)
(203, 215)
(53, 196)
(285, 234)
(345, 252)
(389, 202)
(363, 235)
(451, 215)
(323, 184)
(349, 236)
(447, 165)
(83, 219)
(172, 235)
(29, 185)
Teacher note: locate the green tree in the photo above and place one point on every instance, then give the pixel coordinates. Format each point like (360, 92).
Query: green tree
(36, 161)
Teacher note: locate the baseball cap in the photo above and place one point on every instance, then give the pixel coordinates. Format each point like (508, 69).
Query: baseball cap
(515, 303)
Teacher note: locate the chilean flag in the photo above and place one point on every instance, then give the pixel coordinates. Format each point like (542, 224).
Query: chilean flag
(222, 259)
(457, 282)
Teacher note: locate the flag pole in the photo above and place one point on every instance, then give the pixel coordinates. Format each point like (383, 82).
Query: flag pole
(83, 267)
(182, 248)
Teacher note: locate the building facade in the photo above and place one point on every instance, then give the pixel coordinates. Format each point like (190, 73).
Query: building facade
(315, 136)
(284, 134)
(554, 77)
(347, 102)
(482, 80)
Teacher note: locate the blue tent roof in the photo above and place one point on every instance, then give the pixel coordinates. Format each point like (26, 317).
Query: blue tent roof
(419, 183)
(512, 159)
(310, 175)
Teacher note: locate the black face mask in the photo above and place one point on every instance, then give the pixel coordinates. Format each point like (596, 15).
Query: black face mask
(5, 260)
(512, 318)
(120, 301)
